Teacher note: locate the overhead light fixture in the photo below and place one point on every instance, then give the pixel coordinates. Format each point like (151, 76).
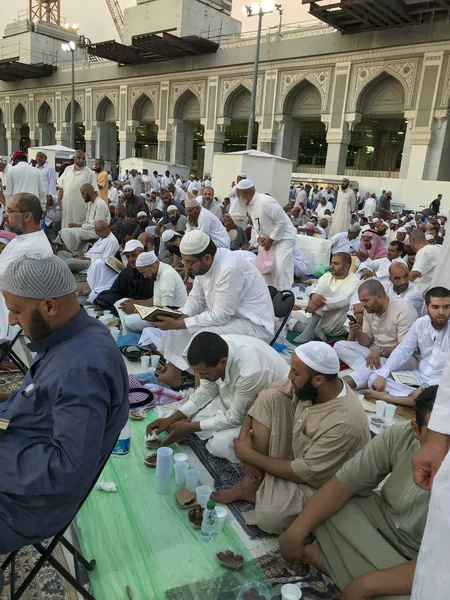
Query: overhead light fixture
(246, 10)
(268, 6)
(255, 8)
(400, 133)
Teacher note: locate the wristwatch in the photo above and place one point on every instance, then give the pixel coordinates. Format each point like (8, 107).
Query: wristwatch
(383, 352)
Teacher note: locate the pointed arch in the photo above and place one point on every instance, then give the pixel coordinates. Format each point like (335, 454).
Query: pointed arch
(20, 115)
(78, 113)
(2, 118)
(143, 109)
(106, 111)
(45, 114)
(187, 106)
(298, 83)
(240, 95)
(375, 79)
(304, 97)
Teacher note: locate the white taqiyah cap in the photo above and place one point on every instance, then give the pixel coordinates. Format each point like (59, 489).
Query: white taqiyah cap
(142, 213)
(401, 230)
(242, 175)
(131, 246)
(168, 235)
(394, 222)
(365, 228)
(127, 187)
(190, 203)
(375, 220)
(145, 259)
(429, 237)
(44, 152)
(194, 242)
(171, 207)
(245, 184)
(346, 179)
(319, 356)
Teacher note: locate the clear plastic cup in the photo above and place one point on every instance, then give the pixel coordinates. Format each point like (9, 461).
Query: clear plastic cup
(289, 591)
(151, 370)
(154, 359)
(180, 472)
(162, 484)
(259, 587)
(390, 413)
(145, 362)
(221, 517)
(107, 313)
(180, 457)
(380, 408)
(164, 459)
(192, 477)
(203, 495)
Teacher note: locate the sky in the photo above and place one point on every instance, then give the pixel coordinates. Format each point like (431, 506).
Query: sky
(96, 23)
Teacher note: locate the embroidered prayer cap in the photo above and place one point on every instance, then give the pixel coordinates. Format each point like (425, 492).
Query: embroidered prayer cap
(242, 175)
(401, 230)
(145, 259)
(172, 207)
(38, 277)
(194, 242)
(245, 184)
(44, 152)
(190, 203)
(319, 356)
(346, 179)
(142, 213)
(168, 235)
(131, 246)
(127, 187)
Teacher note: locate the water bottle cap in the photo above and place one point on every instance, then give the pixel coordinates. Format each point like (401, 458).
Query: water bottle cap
(211, 505)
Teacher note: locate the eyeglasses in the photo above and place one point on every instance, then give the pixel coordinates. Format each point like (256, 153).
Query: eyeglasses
(189, 265)
(10, 211)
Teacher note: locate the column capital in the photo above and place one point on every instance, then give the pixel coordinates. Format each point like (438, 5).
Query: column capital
(338, 136)
(352, 119)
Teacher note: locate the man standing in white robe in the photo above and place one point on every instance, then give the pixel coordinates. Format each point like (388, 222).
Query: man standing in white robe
(70, 182)
(431, 469)
(345, 205)
(274, 230)
(229, 295)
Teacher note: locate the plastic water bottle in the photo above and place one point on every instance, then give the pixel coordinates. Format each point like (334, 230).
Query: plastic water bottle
(123, 445)
(209, 522)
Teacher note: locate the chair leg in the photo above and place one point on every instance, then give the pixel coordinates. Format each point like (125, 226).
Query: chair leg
(10, 560)
(89, 565)
(64, 572)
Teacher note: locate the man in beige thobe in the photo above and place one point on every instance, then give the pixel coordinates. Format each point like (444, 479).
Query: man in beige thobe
(70, 182)
(296, 435)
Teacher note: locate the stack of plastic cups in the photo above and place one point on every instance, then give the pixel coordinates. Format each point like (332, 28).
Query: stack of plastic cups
(145, 362)
(192, 477)
(221, 517)
(181, 466)
(163, 469)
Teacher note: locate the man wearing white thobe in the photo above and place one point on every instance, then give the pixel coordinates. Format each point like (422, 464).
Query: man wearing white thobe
(106, 246)
(77, 234)
(346, 241)
(23, 178)
(431, 470)
(135, 180)
(399, 286)
(69, 183)
(154, 183)
(166, 180)
(48, 174)
(229, 295)
(201, 219)
(345, 205)
(323, 206)
(209, 203)
(232, 369)
(274, 230)
(426, 259)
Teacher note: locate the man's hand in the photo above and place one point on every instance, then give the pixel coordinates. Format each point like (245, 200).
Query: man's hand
(252, 472)
(128, 307)
(362, 257)
(356, 590)
(168, 323)
(373, 359)
(262, 241)
(413, 395)
(268, 243)
(366, 273)
(160, 425)
(74, 225)
(428, 459)
(379, 384)
(318, 300)
(353, 327)
(244, 448)
(179, 430)
(291, 546)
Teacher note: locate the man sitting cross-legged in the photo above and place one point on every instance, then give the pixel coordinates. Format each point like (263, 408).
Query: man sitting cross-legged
(367, 538)
(232, 370)
(106, 246)
(296, 435)
(328, 301)
(430, 338)
(386, 321)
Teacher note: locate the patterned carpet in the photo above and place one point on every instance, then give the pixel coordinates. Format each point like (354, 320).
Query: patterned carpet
(48, 585)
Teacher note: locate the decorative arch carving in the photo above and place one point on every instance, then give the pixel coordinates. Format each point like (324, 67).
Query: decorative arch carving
(229, 87)
(136, 111)
(102, 108)
(20, 115)
(45, 113)
(99, 97)
(180, 93)
(233, 98)
(182, 99)
(291, 82)
(364, 76)
(79, 99)
(67, 111)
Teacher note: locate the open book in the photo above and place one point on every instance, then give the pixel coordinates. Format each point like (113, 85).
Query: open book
(405, 379)
(115, 264)
(151, 313)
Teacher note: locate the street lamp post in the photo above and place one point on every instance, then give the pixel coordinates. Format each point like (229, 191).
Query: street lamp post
(71, 47)
(259, 10)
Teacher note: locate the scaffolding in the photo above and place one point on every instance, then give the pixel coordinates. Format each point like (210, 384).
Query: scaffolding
(45, 10)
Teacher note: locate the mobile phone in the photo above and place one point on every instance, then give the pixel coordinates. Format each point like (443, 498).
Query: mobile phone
(352, 318)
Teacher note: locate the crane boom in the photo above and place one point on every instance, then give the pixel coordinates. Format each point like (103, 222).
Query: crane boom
(117, 16)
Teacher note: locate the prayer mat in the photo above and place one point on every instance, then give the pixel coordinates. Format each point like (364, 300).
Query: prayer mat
(47, 585)
(291, 335)
(314, 584)
(225, 475)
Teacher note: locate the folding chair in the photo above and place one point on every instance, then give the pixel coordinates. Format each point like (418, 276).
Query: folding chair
(46, 556)
(283, 303)
(6, 349)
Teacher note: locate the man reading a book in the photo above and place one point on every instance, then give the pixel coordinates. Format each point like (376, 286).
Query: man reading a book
(430, 337)
(229, 296)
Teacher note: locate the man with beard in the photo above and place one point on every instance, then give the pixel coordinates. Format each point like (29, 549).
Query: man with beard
(142, 219)
(178, 193)
(102, 179)
(203, 220)
(69, 183)
(209, 203)
(133, 205)
(296, 435)
(167, 201)
(345, 206)
(77, 234)
(172, 240)
(400, 287)
(429, 338)
(67, 415)
(177, 222)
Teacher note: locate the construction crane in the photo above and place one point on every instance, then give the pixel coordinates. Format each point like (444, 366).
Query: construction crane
(117, 16)
(45, 10)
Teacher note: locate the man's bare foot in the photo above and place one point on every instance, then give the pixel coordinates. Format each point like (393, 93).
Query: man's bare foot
(170, 378)
(312, 556)
(244, 490)
(349, 381)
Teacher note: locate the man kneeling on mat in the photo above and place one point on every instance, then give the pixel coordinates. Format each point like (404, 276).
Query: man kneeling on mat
(368, 540)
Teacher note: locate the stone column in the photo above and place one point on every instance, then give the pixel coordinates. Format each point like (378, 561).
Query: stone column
(338, 142)
(3, 141)
(63, 136)
(338, 134)
(181, 148)
(127, 140)
(46, 134)
(437, 166)
(212, 145)
(13, 138)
